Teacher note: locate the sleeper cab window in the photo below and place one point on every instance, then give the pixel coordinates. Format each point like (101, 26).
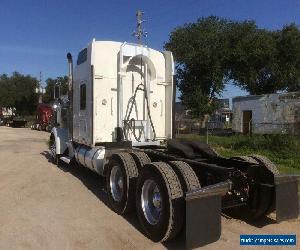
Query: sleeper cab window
(83, 96)
(82, 56)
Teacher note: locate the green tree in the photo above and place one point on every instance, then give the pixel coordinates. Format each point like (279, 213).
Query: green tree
(200, 50)
(18, 91)
(52, 85)
(6, 97)
(215, 51)
(24, 87)
(288, 45)
(263, 61)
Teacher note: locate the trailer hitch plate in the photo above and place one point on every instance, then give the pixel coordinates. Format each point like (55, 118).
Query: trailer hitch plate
(203, 214)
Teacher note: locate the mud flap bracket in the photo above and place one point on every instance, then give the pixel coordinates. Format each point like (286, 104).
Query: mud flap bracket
(203, 214)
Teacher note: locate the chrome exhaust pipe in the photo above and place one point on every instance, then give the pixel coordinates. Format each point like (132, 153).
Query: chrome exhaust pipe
(70, 73)
(70, 94)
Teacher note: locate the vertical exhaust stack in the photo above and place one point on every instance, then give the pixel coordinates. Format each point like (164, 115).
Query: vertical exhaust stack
(70, 94)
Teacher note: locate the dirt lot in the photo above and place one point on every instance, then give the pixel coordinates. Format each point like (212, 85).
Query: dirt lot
(46, 207)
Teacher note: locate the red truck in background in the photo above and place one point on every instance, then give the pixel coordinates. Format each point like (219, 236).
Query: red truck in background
(44, 117)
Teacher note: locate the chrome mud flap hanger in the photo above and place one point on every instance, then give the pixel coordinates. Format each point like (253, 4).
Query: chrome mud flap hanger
(203, 214)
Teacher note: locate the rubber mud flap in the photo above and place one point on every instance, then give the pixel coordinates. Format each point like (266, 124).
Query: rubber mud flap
(203, 215)
(287, 203)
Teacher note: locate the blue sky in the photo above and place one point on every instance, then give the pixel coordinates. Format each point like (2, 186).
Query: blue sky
(37, 34)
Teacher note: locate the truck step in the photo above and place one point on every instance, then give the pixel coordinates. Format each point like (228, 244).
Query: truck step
(65, 159)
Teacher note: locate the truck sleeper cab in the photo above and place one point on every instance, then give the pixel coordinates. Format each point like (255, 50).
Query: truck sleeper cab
(106, 77)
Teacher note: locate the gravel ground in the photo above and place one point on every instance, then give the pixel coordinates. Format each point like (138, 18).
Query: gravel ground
(46, 207)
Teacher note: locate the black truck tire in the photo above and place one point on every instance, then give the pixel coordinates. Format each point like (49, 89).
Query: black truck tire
(188, 178)
(140, 158)
(121, 181)
(264, 161)
(245, 158)
(177, 147)
(202, 148)
(163, 221)
(261, 200)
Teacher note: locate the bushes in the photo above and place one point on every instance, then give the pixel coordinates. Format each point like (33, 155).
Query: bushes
(283, 144)
(276, 143)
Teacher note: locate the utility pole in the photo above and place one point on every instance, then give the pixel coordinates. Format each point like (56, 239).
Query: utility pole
(40, 90)
(56, 90)
(140, 33)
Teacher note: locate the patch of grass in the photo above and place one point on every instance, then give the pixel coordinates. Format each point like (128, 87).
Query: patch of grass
(283, 150)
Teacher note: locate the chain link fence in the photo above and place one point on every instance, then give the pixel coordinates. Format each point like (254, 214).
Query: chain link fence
(218, 128)
(275, 128)
(193, 126)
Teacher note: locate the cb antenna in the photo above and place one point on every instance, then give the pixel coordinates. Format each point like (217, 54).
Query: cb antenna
(140, 32)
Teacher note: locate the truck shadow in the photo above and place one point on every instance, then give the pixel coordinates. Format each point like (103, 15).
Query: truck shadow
(97, 185)
(259, 223)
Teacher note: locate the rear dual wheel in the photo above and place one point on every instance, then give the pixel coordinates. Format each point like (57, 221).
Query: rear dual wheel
(261, 197)
(140, 158)
(160, 198)
(159, 201)
(155, 189)
(121, 180)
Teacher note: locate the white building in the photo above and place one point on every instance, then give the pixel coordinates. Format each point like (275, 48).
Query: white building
(267, 114)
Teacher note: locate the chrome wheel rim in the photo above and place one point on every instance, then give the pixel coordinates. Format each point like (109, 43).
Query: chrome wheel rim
(116, 182)
(151, 202)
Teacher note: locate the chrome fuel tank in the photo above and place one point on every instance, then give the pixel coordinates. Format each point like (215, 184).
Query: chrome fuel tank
(92, 158)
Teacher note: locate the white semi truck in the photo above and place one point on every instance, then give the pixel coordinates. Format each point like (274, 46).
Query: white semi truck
(118, 122)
